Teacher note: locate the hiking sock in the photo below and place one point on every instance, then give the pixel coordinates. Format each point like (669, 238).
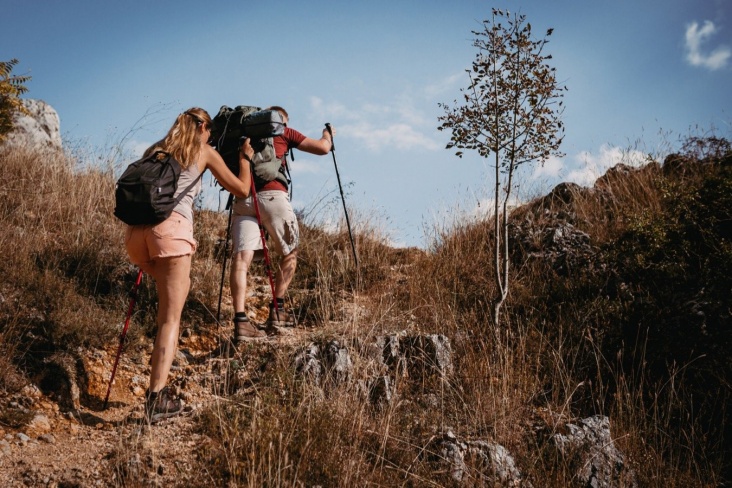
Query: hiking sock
(150, 398)
(280, 303)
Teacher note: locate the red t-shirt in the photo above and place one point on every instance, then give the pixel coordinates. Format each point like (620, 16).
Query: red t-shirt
(289, 139)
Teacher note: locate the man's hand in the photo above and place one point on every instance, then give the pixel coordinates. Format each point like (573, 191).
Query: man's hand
(327, 133)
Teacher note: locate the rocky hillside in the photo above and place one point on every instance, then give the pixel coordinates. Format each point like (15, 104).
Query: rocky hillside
(611, 369)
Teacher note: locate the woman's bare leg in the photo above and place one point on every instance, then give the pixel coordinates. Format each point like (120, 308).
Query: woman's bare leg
(173, 280)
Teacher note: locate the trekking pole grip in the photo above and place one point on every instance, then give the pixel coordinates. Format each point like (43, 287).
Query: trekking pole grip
(330, 131)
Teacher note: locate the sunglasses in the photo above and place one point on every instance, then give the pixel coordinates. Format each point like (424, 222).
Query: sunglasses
(198, 120)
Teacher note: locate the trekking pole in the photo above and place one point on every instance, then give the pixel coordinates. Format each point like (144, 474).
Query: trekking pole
(226, 252)
(267, 264)
(133, 297)
(345, 210)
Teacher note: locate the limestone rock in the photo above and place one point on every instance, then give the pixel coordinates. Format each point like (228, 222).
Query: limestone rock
(41, 128)
(476, 462)
(587, 444)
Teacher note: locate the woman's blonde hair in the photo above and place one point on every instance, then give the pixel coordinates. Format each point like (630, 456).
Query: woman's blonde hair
(183, 141)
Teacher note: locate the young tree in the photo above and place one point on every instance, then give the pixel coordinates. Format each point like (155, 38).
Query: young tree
(11, 87)
(510, 113)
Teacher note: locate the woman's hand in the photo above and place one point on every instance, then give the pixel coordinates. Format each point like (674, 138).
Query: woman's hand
(247, 151)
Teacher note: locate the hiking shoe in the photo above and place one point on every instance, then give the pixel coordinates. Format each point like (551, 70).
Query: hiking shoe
(245, 331)
(161, 405)
(280, 318)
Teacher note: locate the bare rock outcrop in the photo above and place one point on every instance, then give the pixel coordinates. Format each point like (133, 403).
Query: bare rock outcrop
(476, 463)
(589, 447)
(40, 128)
(326, 363)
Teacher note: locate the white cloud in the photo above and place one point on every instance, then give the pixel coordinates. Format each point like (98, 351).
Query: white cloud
(400, 136)
(403, 110)
(486, 207)
(585, 167)
(552, 168)
(401, 124)
(592, 166)
(695, 37)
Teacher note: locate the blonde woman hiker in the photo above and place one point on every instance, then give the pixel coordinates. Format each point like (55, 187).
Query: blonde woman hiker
(164, 250)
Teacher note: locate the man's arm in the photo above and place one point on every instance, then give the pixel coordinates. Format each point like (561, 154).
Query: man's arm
(317, 146)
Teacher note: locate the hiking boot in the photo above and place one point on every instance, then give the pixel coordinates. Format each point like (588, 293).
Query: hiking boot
(161, 405)
(280, 318)
(245, 331)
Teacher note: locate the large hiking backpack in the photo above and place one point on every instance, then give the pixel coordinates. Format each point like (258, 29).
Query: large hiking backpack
(145, 192)
(230, 125)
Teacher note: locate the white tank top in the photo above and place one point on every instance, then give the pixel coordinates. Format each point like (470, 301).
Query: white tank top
(188, 176)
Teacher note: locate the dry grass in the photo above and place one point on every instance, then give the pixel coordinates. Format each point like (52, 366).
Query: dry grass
(61, 250)
(563, 351)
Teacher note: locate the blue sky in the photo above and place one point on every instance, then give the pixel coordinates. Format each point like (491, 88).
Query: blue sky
(641, 75)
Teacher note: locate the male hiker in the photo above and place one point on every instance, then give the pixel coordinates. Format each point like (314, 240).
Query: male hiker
(280, 222)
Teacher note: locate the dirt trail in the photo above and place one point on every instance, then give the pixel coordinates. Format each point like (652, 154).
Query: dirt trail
(106, 447)
(61, 446)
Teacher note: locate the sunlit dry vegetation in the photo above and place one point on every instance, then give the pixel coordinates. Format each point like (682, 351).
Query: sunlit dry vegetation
(619, 306)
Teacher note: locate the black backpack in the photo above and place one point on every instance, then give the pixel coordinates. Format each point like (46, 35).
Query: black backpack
(144, 193)
(230, 125)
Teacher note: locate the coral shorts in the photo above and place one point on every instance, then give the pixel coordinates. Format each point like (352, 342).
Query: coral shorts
(170, 238)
